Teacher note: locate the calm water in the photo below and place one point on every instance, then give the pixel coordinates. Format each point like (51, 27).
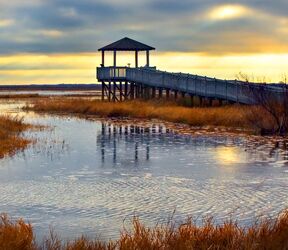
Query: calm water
(53, 92)
(91, 177)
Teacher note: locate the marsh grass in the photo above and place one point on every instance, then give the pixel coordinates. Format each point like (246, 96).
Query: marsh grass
(264, 234)
(16, 234)
(253, 118)
(228, 116)
(18, 96)
(10, 130)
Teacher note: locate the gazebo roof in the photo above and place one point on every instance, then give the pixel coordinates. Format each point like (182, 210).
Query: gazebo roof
(126, 44)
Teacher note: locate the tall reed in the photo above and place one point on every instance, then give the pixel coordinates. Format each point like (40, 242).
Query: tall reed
(229, 116)
(265, 234)
(10, 135)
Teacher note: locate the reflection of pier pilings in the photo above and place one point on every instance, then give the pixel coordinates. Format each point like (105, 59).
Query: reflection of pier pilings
(114, 151)
(148, 151)
(131, 145)
(102, 140)
(136, 151)
(131, 139)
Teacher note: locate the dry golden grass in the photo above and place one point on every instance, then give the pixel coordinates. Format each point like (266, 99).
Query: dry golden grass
(266, 234)
(262, 235)
(10, 129)
(16, 235)
(18, 96)
(229, 116)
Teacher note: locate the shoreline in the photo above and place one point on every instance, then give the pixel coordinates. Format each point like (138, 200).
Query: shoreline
(247, 119)
(166, 111)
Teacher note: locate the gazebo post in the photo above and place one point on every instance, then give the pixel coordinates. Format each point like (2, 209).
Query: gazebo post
(114, 64)
(114, 58)
(103, 58)
(136, 59)
(147, 58)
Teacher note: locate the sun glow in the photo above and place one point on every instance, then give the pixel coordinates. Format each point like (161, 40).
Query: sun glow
(228, 12)
(6, 22)
(227, 155)
(80, 68)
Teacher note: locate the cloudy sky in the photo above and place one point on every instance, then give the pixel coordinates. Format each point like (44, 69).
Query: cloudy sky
(55, 41)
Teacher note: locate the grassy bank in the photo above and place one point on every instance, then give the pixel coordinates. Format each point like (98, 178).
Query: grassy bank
(252, 118)
(268, 234)
(228, 116)
(11, 141)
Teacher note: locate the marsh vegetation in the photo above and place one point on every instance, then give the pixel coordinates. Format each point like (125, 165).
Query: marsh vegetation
(270, 112)
(252, 118)
(18, 96)
(265, 234)
(10, 135)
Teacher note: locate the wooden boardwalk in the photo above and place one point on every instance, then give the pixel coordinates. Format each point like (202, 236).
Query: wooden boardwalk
(128, 83)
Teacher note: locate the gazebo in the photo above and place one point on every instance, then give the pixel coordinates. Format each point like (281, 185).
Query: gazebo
(115, 81)
(126, 44)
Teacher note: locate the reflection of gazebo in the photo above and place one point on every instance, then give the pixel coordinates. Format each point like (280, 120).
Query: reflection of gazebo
(126, 44)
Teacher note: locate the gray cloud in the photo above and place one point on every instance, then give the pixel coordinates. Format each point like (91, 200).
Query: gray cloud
(169, 25)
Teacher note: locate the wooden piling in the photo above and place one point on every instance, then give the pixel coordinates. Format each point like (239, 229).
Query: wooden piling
(121, 92)
(132, 89)
(201, 101)
(167, 93)
(192, 100)
(114, 92)
(160, 92)
(210, 102)
(153, 92)
(142, 91)
(109, 91)
(103, 91)
(126, 90)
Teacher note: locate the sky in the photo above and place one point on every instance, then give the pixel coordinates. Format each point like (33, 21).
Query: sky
(56, 41)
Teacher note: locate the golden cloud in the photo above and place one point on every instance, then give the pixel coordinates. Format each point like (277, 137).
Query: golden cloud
(223, 12)
(6, 22)
(51, 33)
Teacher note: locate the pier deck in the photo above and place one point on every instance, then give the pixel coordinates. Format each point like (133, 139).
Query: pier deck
(148, 80)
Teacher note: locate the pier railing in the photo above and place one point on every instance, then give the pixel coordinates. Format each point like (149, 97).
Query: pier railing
(231, 90)
(111, 73)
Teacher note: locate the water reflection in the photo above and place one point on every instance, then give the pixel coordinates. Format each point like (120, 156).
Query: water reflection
(134, 140)
(138, 144)
(130, 145)
(87, 176)
(227, 155)
(93, 93)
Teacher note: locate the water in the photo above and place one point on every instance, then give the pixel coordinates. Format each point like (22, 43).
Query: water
(91, 177)
(52, 92)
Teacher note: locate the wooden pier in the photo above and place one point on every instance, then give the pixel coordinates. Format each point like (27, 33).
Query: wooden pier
(122, 83)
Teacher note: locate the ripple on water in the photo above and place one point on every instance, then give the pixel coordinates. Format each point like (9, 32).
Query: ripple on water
(106, 200)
